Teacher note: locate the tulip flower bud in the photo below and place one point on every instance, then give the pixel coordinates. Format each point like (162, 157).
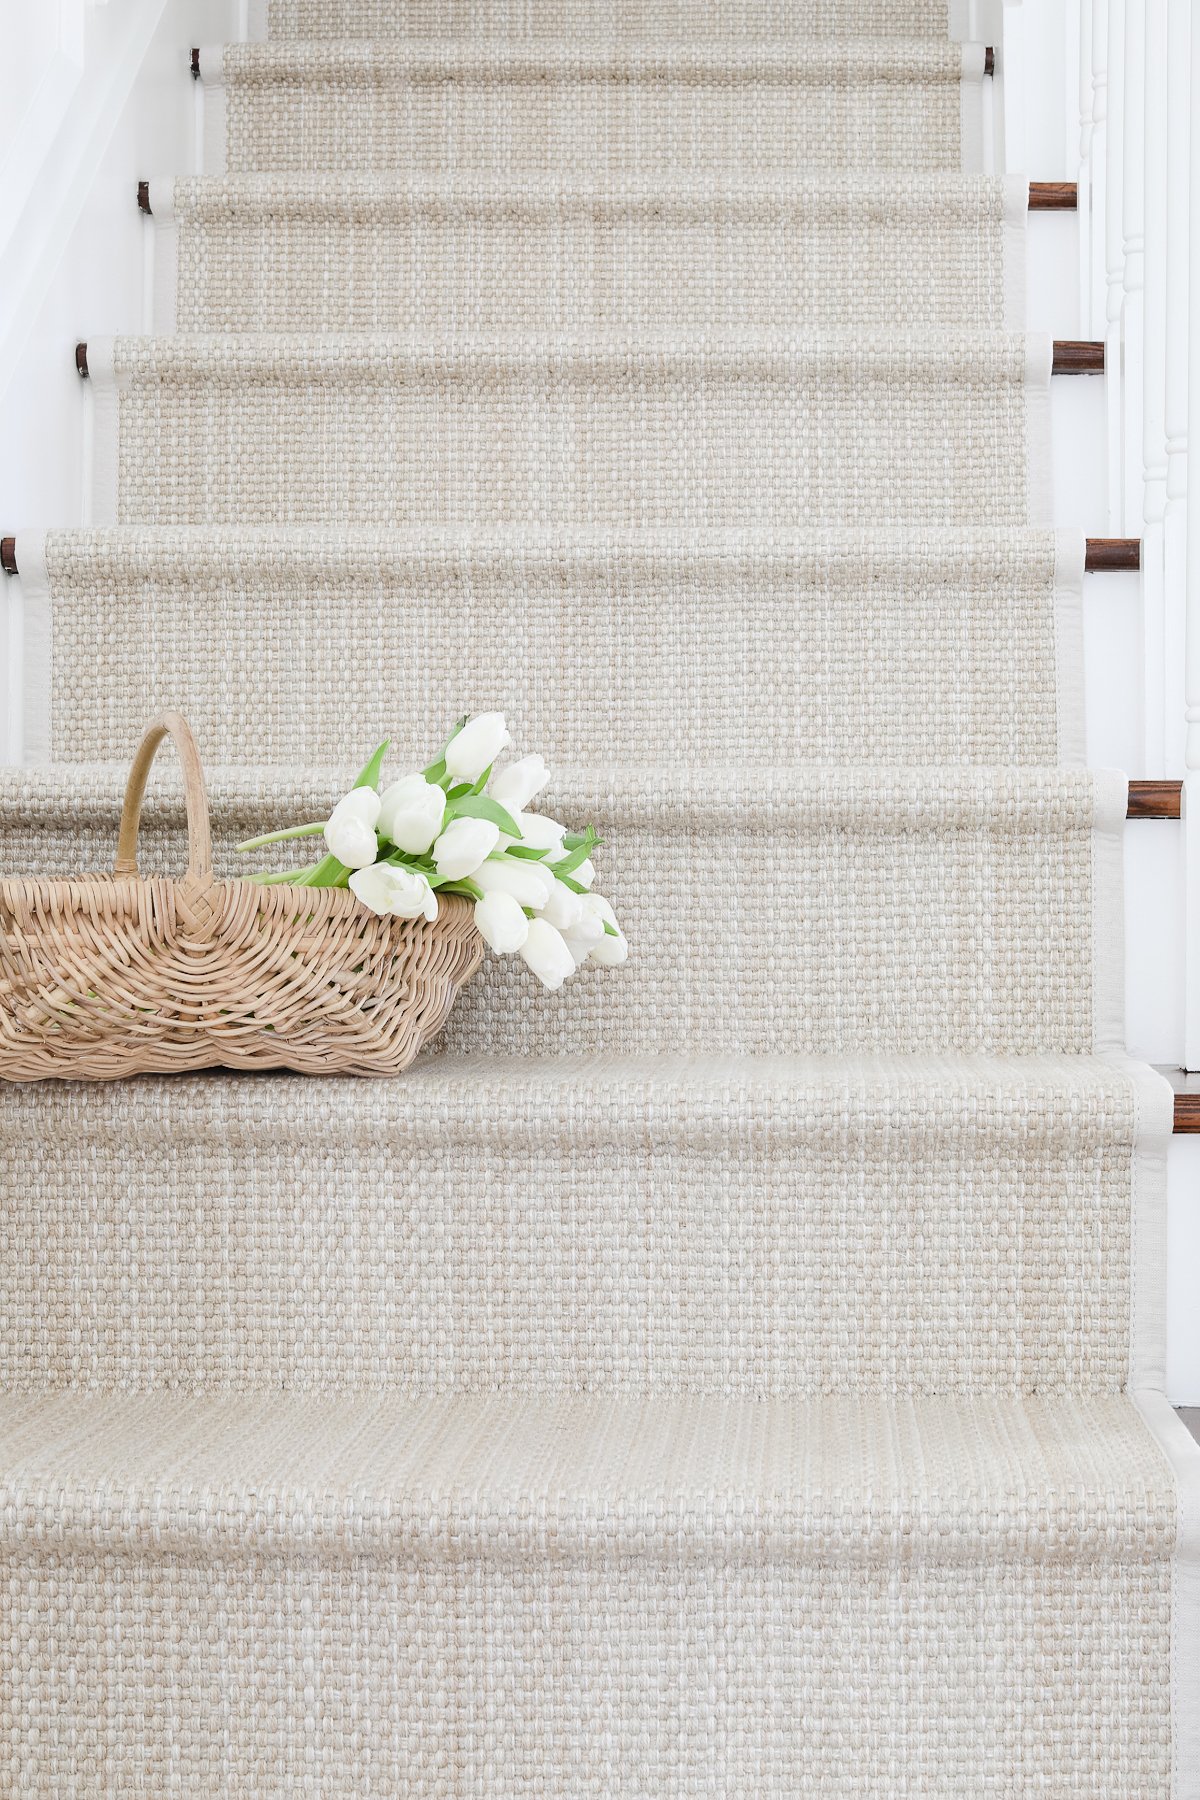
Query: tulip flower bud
(403, 892)
(463, 846)
(478, 743)
(608, 951)
(540, 833)
(517, 785)
(411, 813)
(563, 909)
(350, 833)
(547, 953)
(527, 882)
(587, 930)
(501, 923)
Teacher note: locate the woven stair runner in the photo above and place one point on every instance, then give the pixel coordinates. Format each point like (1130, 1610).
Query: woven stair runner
(742, 1372)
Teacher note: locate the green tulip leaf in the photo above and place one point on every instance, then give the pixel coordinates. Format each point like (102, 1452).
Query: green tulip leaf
(482, 806)
(578, 855)
(369, 773)
(328, 873)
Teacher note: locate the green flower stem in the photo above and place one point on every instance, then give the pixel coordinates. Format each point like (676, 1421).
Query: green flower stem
(278, 878)
(282, 837)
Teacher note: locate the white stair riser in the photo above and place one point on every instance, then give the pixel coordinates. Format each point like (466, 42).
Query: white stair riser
(424, 1236)
(255, 256)
(837, 913)
(567, 110)
(557, 628)
(605, 20)
(376, 431)
(198, 1676)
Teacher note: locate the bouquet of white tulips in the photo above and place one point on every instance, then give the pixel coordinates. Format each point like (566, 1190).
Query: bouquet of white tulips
(462, 827)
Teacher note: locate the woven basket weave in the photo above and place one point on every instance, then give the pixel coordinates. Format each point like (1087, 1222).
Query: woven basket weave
(112, 975)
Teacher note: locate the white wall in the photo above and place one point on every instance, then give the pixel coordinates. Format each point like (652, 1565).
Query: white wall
(119, 105)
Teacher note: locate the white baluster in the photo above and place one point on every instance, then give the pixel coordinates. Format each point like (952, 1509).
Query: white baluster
(1191, 825)
(1082, 159)
(1098, 171)
(1151, 445)
(1114, 262)
(1175, 379)
(1133, 268)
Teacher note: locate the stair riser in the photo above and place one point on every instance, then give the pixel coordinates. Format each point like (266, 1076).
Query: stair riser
(559, 635)
(271, 1244)
(371, 434)
(203, 1677)
(567, 112)
(466, 265)
(862, 913)
(623, 20)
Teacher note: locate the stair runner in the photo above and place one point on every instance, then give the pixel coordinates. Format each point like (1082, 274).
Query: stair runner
(741, 1373)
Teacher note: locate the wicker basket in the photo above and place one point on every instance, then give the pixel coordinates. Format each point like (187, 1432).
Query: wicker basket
(111, 975)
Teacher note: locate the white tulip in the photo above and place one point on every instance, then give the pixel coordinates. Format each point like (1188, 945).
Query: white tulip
(411, 812)
(587, 930)
(463, 845)
(563, 909)
(608, 951)
(517, 785)
(585, 874)
(501, 923)
(404, 892)
(548, 954)
(579, 950)
(538, 832)
(527, 882)
(350, 833)
(478, 743)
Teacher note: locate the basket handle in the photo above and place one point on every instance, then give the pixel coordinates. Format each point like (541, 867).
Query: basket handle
(175, 726)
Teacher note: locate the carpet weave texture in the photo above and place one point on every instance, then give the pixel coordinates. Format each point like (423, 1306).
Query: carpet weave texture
(741, 1373)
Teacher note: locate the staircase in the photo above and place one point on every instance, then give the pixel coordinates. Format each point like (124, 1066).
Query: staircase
(740, 1373)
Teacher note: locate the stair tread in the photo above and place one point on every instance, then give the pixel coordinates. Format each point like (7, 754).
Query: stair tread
(981, 356)
(507, 1095)
(926, 544)
(594, 1080)
(852, 1479)
(758, 191)
(818, 60)
(744, 799)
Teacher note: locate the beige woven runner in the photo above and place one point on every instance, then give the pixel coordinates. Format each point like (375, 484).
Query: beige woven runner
(743, 1371)
(471, 254)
